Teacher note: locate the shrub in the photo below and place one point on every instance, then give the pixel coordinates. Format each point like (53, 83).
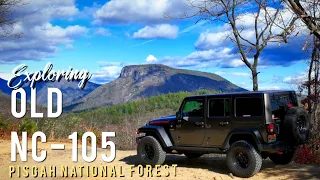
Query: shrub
(28, 125)
(3, 124)
(309, 154)
(6, 126)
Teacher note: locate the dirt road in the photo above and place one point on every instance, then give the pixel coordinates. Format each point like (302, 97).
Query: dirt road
(206, 167)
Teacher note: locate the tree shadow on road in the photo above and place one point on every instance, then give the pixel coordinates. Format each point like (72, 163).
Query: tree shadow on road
(212, 162)
(217, 163)
(292, 171)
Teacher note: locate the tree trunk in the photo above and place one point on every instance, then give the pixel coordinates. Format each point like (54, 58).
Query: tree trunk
(254, 79)
(316, 81)
(312, 85)
(310, 109)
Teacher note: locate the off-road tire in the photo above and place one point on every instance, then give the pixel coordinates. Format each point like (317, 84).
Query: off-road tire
(297, 126)
(284, 158)
(192, 155)
(241, 169)
(159, 154)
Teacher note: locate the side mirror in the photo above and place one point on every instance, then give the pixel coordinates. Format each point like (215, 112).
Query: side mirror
(178, 115)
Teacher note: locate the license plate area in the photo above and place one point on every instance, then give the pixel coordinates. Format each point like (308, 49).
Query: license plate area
(272, 138)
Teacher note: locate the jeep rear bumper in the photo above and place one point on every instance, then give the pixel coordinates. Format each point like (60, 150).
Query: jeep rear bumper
(275, 147)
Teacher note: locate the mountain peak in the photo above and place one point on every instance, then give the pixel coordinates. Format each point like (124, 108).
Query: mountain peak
(143, 81)
(136, 71)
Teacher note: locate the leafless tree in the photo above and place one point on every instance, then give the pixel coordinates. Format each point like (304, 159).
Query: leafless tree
(309, 12)
(311, 86)
(7, 21)
(312, 45)
(269, 25)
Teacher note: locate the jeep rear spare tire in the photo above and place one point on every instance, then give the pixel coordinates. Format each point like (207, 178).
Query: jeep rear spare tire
(243, 160)
(297, 126)
(150, 151)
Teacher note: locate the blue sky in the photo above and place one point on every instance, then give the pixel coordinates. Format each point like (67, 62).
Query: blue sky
(104, 36)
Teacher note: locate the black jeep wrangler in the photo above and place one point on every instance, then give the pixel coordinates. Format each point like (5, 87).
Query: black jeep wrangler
(247, 126)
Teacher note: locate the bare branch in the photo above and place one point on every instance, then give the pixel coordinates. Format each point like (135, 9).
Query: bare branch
(7, 22)
(310, 21)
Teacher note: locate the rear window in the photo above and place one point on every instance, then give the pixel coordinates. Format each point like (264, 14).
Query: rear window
(280, 100)
(248, 107)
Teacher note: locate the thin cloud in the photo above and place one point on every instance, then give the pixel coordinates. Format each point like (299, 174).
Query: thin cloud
(190, 28)
(186, 30)
(140, 44)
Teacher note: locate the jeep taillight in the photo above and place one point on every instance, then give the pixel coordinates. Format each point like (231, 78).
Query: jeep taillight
(270, 128)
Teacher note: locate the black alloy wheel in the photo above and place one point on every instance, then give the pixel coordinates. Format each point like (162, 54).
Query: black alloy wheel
(242, 159)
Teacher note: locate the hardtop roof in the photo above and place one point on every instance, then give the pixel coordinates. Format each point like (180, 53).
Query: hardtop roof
(246, 92)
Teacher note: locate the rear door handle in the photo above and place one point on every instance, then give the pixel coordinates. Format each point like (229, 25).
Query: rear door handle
(224, 123)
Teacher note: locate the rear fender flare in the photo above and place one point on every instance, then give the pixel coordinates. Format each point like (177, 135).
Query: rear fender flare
(254, 133)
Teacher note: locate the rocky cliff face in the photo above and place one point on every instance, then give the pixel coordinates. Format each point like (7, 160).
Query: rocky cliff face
(140, 81)
(139, 71)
